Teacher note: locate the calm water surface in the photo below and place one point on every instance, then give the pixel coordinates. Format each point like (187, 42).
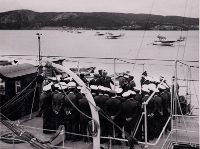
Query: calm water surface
(135, 44)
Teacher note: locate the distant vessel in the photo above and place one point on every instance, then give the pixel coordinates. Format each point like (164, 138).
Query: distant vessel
(112, 36)
(163, 42)
(100, 34)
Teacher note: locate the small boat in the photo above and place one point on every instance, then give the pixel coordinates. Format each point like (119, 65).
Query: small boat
(99, 34)
(163, 42)
(111, 36)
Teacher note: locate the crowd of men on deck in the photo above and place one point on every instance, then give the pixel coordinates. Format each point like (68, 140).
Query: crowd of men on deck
(123, 106)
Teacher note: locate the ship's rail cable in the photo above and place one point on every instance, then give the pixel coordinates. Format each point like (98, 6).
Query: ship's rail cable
(144, 34)
(181, 29)
(17, 95)
(18, 100)
(179, 105)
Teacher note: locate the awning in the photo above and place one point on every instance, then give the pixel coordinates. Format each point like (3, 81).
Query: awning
(13, 71)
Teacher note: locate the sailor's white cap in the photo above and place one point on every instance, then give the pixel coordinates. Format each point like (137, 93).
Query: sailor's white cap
(151, 86)
(71, 84)
(144, 89)
(126, 94)
(126, 76)
(161, 87)
(68, 78)
(119, 90)
(101, 88)
(79, 87)
(53, 78)
(136, 88)
(57, 85)
(145, 86)
(106, 89)
(156, 90)
(63, 84)
(94, 87)
(47, 87)
(131, 92)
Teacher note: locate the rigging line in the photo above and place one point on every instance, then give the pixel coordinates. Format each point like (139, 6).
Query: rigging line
(181, 29)
(179, 105)
(33, 101)
(18, 100)
(194, 89)
(144, 34)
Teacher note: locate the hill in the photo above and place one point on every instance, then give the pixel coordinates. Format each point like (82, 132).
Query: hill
(27, 19)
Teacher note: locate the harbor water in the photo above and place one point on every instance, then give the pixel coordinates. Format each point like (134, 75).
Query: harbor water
(89, 50)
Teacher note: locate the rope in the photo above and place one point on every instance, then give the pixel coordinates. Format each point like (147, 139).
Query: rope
(143, 35)
(33, 101)
(12, 99)
(18, 100)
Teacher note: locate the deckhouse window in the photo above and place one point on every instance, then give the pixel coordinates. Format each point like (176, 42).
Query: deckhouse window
(2, 87)
(17, 87)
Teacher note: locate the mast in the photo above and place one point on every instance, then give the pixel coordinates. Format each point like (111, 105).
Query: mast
(39, 47)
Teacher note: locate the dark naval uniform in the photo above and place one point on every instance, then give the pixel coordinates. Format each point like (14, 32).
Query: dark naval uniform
(95, 82)
(57, 107)
(72, 115)
(158, 115)
(46, 109)
(85, 108)
(113, 110)
(105, 81)
(151, 109)
(129, 110)
(100, 101)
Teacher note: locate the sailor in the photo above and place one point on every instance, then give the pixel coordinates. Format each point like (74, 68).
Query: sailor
(78, 93)
(122, 81)
(105, 80)
(158, 115)
(119, 94)
(138, 96)
(113, 110)
(139, 113)
(151, 109)
(100, 101)
(164, 98)
(129, 111)
(94, 90)
(57, 106)
(95, 80)
(143, 80)
(46, 109)
(85, 108)
(82, 77)
(131, 83)
(72, 114)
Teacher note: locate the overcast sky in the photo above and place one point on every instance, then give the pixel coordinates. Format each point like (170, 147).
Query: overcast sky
(188, 8)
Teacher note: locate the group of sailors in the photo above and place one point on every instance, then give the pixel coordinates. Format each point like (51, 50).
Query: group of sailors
(123, 106)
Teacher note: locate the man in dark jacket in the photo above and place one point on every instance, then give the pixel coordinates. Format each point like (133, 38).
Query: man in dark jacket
(113, 110)
(95, 80)
(151, 109)
(57, 106)
(100, 101)
(105, 80)
(46, 109)
(72, 114)
(129, 110)
(85, 108)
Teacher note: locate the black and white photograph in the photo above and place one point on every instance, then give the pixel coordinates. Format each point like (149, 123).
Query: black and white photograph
(99, 74)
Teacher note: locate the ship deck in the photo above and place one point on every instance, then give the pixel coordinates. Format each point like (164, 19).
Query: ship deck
(34, 126)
